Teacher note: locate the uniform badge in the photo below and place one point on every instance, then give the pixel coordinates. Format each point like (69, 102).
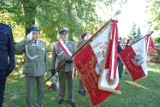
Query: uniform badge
(33, 44)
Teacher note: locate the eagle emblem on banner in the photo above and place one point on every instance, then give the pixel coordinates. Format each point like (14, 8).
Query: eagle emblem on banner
(138, 60)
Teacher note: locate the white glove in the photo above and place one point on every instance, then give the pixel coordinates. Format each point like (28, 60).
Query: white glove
(30, 36)
(45, 74)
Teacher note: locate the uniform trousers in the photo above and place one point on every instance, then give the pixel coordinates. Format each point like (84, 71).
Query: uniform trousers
(30, 85)
(2, 84)
(63, 77)
(120, 68)
(81, 87)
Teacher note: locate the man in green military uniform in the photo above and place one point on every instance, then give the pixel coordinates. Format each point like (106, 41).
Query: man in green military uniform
(61, 53)
(36, 65)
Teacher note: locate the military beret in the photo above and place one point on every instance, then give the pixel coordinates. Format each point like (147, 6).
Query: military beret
(83, 35)
(32, 28)
(64, 31)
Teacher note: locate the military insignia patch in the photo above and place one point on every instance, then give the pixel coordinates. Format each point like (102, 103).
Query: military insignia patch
(69, 46)
(33, 44)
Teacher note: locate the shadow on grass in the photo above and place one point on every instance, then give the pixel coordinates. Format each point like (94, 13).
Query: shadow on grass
(142, 93)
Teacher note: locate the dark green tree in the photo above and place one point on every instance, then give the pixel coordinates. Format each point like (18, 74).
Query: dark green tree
(138, 33)
(133, 32)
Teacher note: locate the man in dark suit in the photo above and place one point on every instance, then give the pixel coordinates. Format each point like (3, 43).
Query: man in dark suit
(120, 64)
(6, 52)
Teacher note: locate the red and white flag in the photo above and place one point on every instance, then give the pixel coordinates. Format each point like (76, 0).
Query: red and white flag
(109, 78)
(151, 49)
(91, 61)
(134, 58)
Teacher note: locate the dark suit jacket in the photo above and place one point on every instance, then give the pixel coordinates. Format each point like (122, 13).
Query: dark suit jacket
(6, 47)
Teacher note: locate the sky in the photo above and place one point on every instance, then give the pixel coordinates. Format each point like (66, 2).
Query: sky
(132, 12)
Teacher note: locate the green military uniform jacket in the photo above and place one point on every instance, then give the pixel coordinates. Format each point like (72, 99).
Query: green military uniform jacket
(36, 58)
(81, 43)
(58, 56)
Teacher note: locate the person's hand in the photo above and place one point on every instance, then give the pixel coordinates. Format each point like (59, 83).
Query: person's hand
(30, 36)
(53, 71)
(69, 60)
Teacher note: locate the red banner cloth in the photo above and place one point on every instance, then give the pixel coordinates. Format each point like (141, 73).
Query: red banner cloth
(134, 58)
(85, 63)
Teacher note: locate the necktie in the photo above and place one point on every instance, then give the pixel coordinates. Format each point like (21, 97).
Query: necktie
(64, 42)
(36, 44)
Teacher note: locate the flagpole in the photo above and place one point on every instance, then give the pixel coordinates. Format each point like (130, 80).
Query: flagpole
(89, 40)
(142, 37)
(150, 33)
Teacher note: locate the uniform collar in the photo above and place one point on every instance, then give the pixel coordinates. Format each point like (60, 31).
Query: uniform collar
(64, 41)
(35, 41)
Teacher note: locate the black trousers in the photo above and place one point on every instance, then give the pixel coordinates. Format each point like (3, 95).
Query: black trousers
(120, 68)
(2, 84)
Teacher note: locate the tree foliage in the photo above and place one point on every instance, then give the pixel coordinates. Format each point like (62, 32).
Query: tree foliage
(135, 32)
(154, 8)
(51, 16)
(155, 13)
(78, 16)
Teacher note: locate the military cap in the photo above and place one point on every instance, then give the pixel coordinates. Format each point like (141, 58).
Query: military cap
(64, 31)
(32, 28)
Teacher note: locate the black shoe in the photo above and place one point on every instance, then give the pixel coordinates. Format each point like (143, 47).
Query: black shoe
(82, 93)
(73, 104)
(60, 101)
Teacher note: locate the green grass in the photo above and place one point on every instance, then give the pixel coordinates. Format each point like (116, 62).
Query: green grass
(143, 93)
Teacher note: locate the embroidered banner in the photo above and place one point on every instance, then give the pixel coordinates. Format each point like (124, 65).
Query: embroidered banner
(91, 61)
(134, 58)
